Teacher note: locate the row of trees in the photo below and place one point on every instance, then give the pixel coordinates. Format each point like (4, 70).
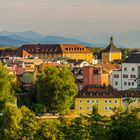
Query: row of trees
(22, 124)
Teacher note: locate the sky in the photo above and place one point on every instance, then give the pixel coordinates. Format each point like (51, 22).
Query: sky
(70, 16)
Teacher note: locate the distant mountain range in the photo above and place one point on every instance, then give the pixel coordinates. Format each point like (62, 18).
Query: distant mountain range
(30, 37)
(127, 39)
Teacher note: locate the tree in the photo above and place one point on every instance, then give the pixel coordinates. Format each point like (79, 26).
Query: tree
(28, 124)
(48, 130)
(39, 109)
(124, 125)
(77, 130)
(96, 125)
(6, 91)
(56, 89)
(10, 122)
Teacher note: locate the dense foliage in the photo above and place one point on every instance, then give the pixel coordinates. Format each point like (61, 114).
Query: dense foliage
(6, 91)
(56, 89)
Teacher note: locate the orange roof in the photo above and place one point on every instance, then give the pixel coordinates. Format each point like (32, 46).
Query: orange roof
(110, 66)
(74, 48)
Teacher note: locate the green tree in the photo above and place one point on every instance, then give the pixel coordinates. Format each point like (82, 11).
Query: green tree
(48, 130)
(10, 122)
(28, 124)
(6, 91)
(56, 89)
(96, 125)
(39, 109)
(124, 126)
(77, 130)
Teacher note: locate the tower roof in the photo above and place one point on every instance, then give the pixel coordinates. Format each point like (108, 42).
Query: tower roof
(111, 47)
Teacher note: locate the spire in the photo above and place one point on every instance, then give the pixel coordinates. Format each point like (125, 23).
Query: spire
(111, 40)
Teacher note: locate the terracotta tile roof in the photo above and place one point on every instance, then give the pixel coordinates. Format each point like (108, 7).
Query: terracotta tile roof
(54, 48)
(110, 66)
(74, 48)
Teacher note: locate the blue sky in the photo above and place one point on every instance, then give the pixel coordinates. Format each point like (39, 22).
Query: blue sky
(70, 16)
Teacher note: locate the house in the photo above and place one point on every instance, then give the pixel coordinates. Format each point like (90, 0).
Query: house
(128, 77)
(98, 74)
(102, 97)
(111, 53)
(58, 51)
(77, 63)
(105, 99)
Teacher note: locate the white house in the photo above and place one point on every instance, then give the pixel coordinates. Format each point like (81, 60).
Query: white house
(129, 75)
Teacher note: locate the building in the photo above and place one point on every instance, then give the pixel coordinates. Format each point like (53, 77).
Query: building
(128, 77)
(105, 99)
(111, 53)
(58, 51)
(98, 74)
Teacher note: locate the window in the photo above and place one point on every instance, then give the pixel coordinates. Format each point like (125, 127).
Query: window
(116, 101)
(87, 101)
(129, 83)
(133, 76)
(110, 108)
(125, 76)
(110, 101)
(84, 93)
(133, 69)
(80, 101)
(125, 69)
(132, 83)
(106, 101)
(105, 108)
(116, 83)
(87, 108)
(125, 84)
(116, 76)
(90, 93)
(80, 108)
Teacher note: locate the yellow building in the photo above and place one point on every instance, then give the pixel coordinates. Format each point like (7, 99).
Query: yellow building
(58, 51)
(104, 98)
(111, 53)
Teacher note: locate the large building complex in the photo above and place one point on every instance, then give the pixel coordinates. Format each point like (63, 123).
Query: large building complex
(58, 51)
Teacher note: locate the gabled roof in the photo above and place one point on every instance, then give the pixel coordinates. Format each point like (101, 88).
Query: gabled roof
(98, 91)
(111, 47)
(133, 58)
(54, 48)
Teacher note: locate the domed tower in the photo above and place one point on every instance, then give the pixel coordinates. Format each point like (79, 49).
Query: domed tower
(111, 53)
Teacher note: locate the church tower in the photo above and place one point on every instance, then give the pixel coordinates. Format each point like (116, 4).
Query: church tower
(111, 53)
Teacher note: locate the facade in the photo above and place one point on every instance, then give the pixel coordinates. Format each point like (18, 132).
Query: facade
(111, 53)
(105, 99)
(58, 51)
(129, 75)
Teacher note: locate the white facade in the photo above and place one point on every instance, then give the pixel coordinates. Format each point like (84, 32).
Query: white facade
(127, 77)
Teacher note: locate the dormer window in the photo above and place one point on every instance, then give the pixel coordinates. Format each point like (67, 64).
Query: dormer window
(84, 93)
(90, 93)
